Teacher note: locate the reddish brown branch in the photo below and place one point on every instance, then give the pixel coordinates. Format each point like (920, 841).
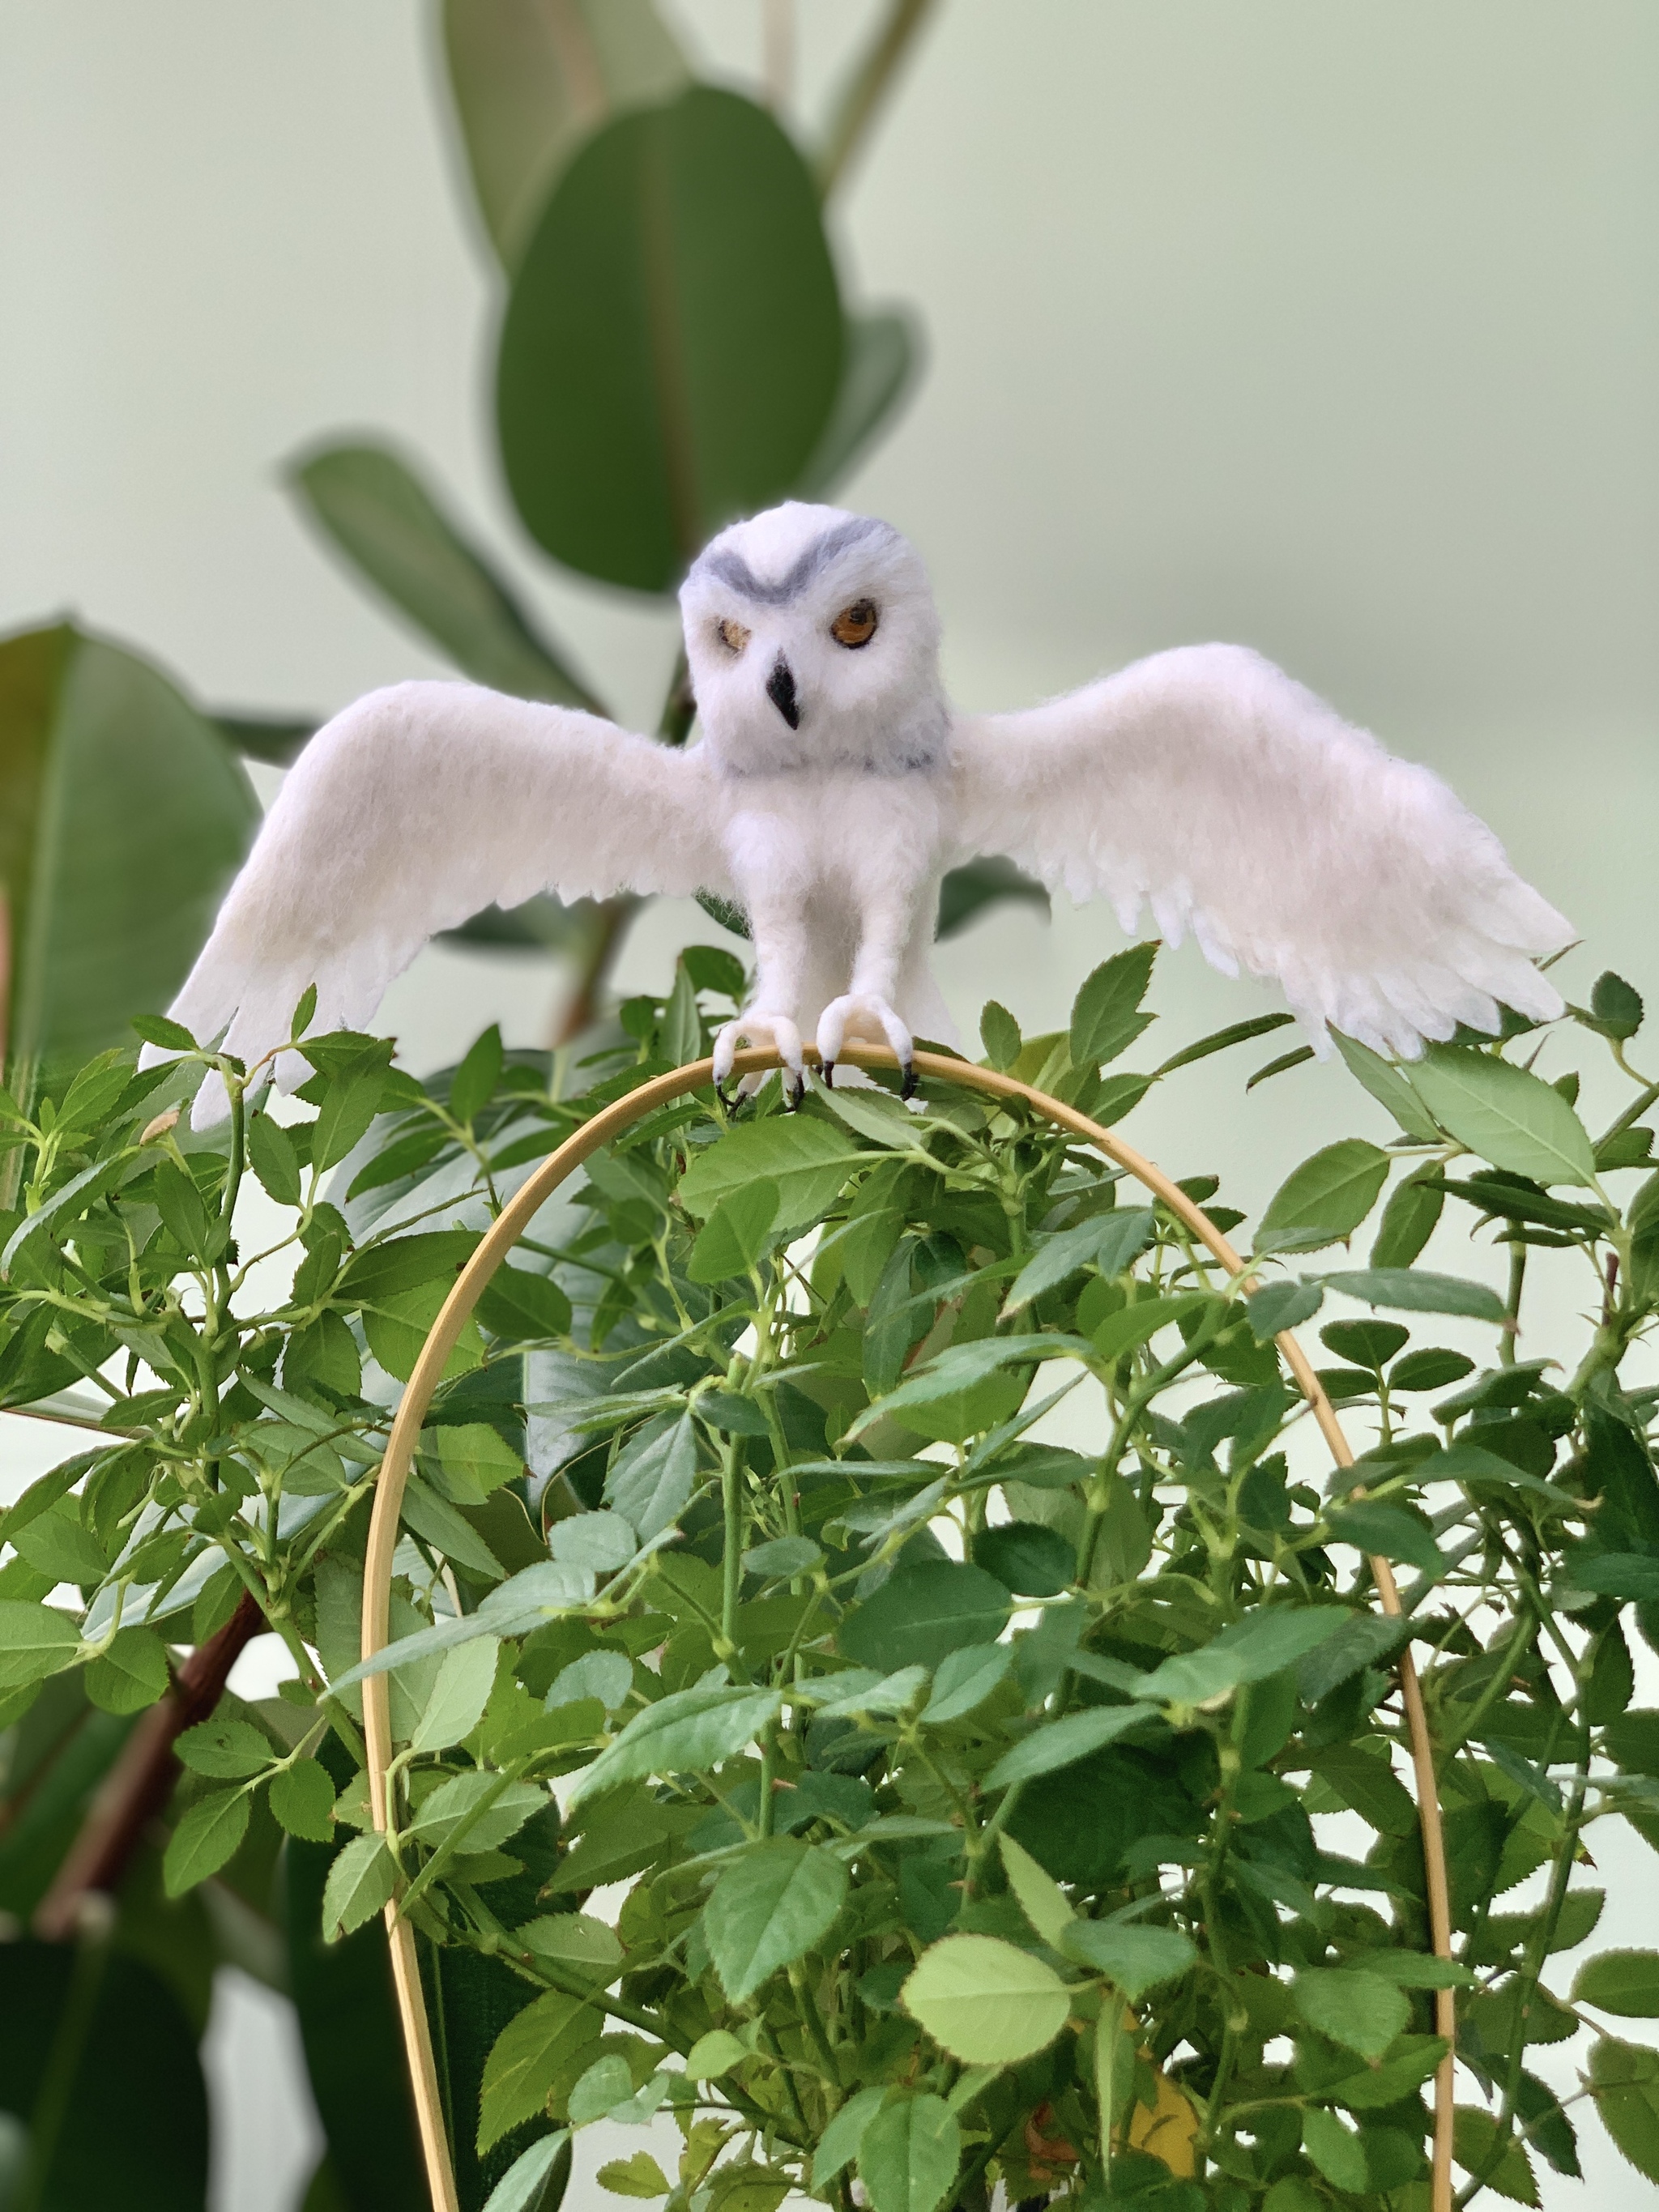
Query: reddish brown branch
(141, 1781)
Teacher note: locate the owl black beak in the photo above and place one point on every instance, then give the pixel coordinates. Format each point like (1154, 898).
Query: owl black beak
(780, 691)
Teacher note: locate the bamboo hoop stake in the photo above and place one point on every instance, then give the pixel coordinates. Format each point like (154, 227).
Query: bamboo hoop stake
(445, 1334)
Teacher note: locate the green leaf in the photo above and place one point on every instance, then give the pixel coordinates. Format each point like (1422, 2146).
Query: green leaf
(1137, 1324)
(303, 1800)
(967, 891)
(1000, 1034)
(952, 1374)
(654, 1474)
(274, 1160)
(1616, 1007)
(518, 1306)
(838, 2144)
(1106, 1016)
(209, 1834)
(578, 1940)
(1062, 1742)
(476, 1809)
(1414, 1290)
(359, 1881)
(672, 346)
(459, 1693)
(963, 1680)
(35, 1641)
(374, 508)
(808, 1162)
(1369, 1787)
(1333, 1192)
(639, 2175)
(1360, 2011)
(734, 1236)
(350, 1102)
(926, 1609)
(1264, 1643)
(878, 369)
(57, 1544)
(1625, 2079)
(123, 817)
(1335, 2150)
(1507, 1115)
(1110, 1242)
(526, 2058)
(768, 1908)
(1389, 1530)
(1221, 1040)
(1027, 1557)
(477, 1460)
(690, 1729)
(1282, 1306)
(524, 2186)
(1364, 1640)
(909, 2154)
(1041, 1898)
(229, 1750)
(1390, 1085)
(131, 1674)
(473, 1083)
(1429, 1369)
(530, 84)
(1625, 1981)
(1502, 2165)
(1133, 1958)
(984, 2002)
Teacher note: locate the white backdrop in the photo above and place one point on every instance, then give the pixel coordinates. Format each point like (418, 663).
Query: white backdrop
(1323, 326)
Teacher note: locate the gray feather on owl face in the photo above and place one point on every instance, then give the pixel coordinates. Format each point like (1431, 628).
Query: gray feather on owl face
(813, 645)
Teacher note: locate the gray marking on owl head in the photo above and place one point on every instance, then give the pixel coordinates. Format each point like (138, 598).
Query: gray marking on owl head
(808, 565)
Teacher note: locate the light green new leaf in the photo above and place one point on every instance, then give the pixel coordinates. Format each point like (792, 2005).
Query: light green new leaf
(35, 1641)
(672, 345)
(1506, 1115)
(359, 1881)
(376, 510)
(639, 2175)
(123, 817)
(1332, 1192)
(530, 81)
(131, 1674)
(1042, 1899)
(206, 1837)
(1133, 1958)
(1621, 1981)
(1360, 2011)
(476, 1810)
(1060, 1743)
(523, 2187)
(459, 1697)
(909, 2154)
(807, 1161)
(734, 1236)
(985, 2001)
(689, 1730)
(768, 1908)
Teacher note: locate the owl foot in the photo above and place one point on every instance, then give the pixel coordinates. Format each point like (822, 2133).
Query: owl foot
(868, 1021)
(760, 1030)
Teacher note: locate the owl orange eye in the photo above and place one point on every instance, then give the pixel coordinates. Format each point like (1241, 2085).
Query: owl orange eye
(732, 634)
(855, 625)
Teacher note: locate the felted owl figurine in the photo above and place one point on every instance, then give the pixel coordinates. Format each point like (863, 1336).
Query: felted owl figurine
(833, 786)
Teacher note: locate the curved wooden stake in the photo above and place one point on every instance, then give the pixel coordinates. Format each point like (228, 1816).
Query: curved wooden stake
(515, 1219)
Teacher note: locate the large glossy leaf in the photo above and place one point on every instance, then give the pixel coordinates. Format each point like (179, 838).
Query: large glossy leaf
(375, 511)
(123, 816)
(878, 375)
(672, 347)
(99, 2059)
(1509, 1116)
(532, 78)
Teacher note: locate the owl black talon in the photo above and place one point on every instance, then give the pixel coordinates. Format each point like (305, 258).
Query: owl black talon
(827, 1071)
(794, 1092)
(907, 1082)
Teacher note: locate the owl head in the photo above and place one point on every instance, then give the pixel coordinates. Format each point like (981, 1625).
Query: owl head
(813, 642)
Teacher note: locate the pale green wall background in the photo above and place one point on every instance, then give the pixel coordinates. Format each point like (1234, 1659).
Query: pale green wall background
(1331, 325)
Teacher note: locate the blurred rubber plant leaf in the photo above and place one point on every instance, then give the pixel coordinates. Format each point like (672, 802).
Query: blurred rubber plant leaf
(373, 508)
(123, 817)
(966, 892)
(879, 371)
(672, 346)
(531, 79)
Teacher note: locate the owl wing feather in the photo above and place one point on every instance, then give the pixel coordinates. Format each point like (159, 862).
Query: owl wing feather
(409, 811)
(1206, 783)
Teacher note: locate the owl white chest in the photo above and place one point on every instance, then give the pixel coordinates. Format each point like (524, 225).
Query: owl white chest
(834, 836)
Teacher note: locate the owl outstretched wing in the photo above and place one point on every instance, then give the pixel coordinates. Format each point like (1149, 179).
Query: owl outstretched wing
(1207, 784)
(409, 811)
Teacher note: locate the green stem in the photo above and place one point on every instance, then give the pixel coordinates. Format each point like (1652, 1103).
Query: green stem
(872, 79)
(731, 1561)
(69, 2043)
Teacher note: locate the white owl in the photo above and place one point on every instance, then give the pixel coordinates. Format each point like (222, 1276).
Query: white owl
(831, 787)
